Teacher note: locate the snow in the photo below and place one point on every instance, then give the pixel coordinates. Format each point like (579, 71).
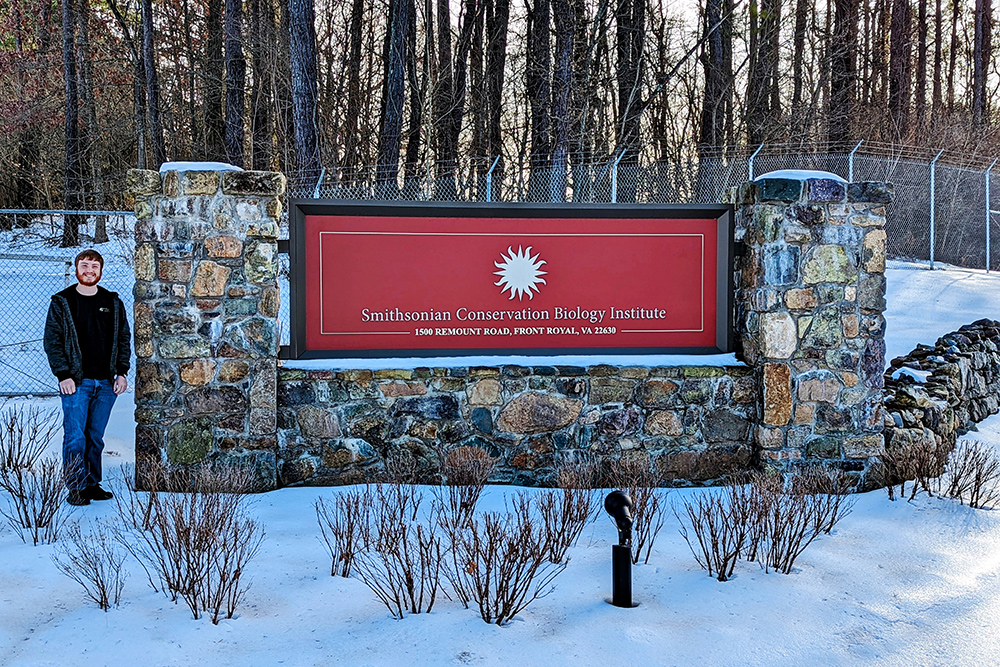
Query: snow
(197, 166)
(800, 175)
(897, 583)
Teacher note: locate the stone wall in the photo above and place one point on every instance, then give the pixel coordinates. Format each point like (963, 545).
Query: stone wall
(206, 305)
(209, 391)
(690, 424)
(947, 389)
(810, 297)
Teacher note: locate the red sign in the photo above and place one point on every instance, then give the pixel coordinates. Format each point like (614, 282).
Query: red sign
(444, 284)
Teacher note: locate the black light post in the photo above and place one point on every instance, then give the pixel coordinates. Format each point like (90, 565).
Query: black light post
(619, 506)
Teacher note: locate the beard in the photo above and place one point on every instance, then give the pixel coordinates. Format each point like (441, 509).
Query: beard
(88, 280)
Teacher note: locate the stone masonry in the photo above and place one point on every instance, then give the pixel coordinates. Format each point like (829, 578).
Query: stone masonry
(206, 306)
(810, 297)
(209, 391)
(936, 393)
(689, 424)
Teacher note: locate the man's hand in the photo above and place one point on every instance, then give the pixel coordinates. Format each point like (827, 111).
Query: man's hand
(67, 387)
(121, 384)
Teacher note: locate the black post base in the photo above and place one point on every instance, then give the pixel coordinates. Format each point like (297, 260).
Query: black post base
(621, 576)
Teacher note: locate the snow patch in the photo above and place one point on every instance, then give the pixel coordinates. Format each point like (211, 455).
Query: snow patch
(800, 175)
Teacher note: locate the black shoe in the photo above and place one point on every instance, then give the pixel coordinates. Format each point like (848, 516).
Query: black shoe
(77, 497)
(97, 493)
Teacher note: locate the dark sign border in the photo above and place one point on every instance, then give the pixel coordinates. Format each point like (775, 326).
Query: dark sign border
(298, 209)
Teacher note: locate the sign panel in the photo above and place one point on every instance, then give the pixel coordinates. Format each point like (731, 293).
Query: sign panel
(372, 279)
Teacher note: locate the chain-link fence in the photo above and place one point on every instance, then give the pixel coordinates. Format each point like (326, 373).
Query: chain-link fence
(964, 232)
(960, 222)
(32, 268)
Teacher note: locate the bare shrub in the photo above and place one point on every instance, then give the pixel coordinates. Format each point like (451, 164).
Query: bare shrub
(465, 471)
(759, 519)
(832, 492)
(973, 475)
(504, 562)
(35, 508)
(788, 521)
(402, 562)
(715, 526)
(578, 475)
(634, 476)
(918, 463)
(195, 545)
(564, 514)
(344, 527)
(94, 560)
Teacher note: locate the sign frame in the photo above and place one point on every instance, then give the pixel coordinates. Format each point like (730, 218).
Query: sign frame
(298, 209)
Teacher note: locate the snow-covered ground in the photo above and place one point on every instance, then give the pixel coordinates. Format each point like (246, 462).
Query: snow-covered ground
(896, 583)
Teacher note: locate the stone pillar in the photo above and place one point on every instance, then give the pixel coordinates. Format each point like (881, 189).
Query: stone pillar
(812, 294)
(206, 306)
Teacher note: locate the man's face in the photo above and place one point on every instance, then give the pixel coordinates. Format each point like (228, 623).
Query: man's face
(88, 272)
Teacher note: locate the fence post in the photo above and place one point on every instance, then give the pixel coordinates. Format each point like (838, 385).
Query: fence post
(850, 162)
(989, 213)
(933, 171)
(750, 163)
(322, 173)
(614, 177)
(489, 180)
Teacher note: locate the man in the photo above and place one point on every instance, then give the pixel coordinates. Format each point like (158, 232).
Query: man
(87, 341)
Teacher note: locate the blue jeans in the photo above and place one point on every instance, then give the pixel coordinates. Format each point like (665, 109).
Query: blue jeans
(85, 416)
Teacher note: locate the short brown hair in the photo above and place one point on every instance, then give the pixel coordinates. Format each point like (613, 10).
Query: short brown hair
(89, 254)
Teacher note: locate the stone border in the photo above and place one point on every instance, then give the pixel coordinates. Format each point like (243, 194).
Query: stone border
(936, 393)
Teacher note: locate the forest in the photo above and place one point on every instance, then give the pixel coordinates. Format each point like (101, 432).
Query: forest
(392, 92)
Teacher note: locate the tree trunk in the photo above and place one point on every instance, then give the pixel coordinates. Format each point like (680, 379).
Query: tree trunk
(393, 99)
(284, 120)
(920, 89)
(352, 133)
(71, 182)
(562, 79)
(763, 108)
(843, 70)
(235, 82)
(981, 59)
(630, 19)
(418, 92)
(197, 151)
(496, 56)
(215, 126)
(262, 39)
(953, 54)
(717, 94)
(937, 101)
(900, 45)
(302, 53)
(152, 84)
(539, 97)
(798, 49)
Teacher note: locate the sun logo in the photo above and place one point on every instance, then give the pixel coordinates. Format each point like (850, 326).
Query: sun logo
(519, 272)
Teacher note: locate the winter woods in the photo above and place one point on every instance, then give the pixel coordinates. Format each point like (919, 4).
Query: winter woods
(387, 92)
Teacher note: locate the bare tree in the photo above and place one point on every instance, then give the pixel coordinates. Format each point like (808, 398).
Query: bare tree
(71, 181)
(394, 56)
(843, 70)
(152, 83)
(981, 58)
(235, 82)
(302, 53)
(900, 47)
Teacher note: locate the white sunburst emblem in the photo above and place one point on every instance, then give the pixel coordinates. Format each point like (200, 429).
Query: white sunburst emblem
(519, 272)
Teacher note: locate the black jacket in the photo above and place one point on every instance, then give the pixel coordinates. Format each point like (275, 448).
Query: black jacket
(63, 348)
